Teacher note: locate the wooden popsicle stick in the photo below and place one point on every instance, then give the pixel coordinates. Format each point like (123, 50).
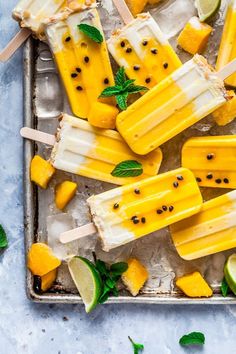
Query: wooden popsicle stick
(14, 44)
(76, 234)
(36, 135)
(227, 70)
(123, 10)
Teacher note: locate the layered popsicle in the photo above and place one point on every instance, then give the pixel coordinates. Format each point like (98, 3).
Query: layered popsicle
(129, 212)
(144, 51)
(81, 149)
(182, 99)
(212, 159)
(227, 51)
(210, 231)
(83, 64)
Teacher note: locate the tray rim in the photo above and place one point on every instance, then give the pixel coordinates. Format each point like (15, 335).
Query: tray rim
(30, 217)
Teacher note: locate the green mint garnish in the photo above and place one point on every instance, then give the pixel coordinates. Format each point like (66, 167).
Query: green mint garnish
(194, 338)
(224, 287)
(3, 238)
(91, 32)
(128, 168)
(122, 89)
(136, 346)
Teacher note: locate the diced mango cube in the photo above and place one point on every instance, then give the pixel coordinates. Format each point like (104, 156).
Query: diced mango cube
(193, 38)
(226, 113)
(103, 115)
(64, 192)
(41, 171)
(135, 276)
(136, 6)
(41, 260)
(48, 279)
(194, 285)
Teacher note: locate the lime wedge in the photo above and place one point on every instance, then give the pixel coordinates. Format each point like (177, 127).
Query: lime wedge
(207, 8)
(87, 281)
(230, 272)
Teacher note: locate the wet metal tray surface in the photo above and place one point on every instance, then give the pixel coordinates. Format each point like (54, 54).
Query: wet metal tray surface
(44, 99)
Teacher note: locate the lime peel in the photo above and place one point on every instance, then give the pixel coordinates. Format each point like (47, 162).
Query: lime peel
(230, 272)
(207, 8)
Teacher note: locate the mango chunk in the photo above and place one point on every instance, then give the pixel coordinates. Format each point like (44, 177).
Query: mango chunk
(135, 276)
(226, 113)
(136, 6)
(194, 285)
(41, 260)
(103, 115)
(193, 38)
(64, 192)
(41, 171)
(48, 279)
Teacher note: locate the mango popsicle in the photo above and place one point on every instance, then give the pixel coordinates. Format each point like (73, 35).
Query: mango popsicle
(144, 51)
(212, 159)
(210, 231)
(182, 99)
(90, 152)
(227, 51)
(129, 212)
(83, 64)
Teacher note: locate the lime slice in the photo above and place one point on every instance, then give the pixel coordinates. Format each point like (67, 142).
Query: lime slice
(207, 8)
(87, 281)
(230, 272)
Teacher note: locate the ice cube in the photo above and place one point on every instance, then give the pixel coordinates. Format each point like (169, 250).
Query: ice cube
(56, 224)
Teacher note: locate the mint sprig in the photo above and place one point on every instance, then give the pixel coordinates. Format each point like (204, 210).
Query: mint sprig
(136, 346)
(3, 238)
(224, 287)
(91, 32)
(122, 89)
(128, 168)
(193, 338)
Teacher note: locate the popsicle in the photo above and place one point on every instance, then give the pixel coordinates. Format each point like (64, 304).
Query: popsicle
(212, 159)
(227, 51)
(142, 49)
(182, 99)
(83, 64)
(90, 152)
(126, 213)
(210, 231)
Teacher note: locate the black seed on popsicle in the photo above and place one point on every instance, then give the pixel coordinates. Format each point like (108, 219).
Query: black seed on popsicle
(171, 208)
(122, 44)
(164, 207)
(209, 176)
(226, 180)
(143, 220)
(86, 59)
(137, 191)
(135, 220)
(176, 184)
(218, 181)
(128, 50)
(165, 65)
(106, 81)
(145, 43)
(154, 51)
(180, 178)
(79, 88)
(159, 211)
(68, 39)
(136, 67)
(148, 80)
(116, 206)
(210, 156)
(78, 70)
(74, 75)
(198, 179)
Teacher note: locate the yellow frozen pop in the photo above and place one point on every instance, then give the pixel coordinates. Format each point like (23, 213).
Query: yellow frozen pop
(83, 63)
(212, 159)
(227, 51)
(182, 99)
(84, 150)
(127, 213)
(210, 231)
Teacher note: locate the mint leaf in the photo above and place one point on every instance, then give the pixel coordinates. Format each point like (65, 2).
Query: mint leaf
(111, 91)
(224, 287)
(194, 338)
(120, 77)
(122, 101)
(127, 84)
(3, 238)
(119, 268)
(91, 32)
(101, 267)
(136, 88)
(136, 346)
(128, 168)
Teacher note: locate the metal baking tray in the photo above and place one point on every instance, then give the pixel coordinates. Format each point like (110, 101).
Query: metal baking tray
(44, 99)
